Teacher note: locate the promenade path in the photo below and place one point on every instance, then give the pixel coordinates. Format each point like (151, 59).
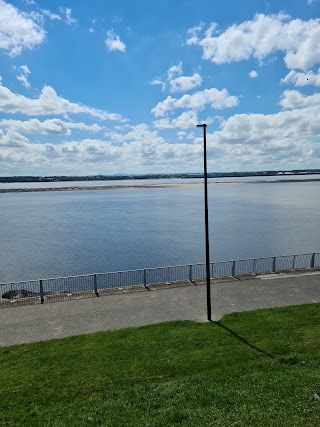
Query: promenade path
(181, 301)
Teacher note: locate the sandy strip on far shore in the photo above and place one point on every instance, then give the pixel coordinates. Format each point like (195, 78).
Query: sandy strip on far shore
(118, 187)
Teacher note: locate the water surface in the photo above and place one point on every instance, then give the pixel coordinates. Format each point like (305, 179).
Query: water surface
(51, 234)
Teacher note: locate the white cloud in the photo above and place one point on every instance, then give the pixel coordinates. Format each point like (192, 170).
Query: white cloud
(138, 133)
(47, 103)
(72, 155)
(294, 99)
(217, 99)
(23, 75)
(186, 120)
(163, 124)
(259, 140)
(174, 71)
(244, 141)
(12, 139)
(18, 30)
(69, 19)
(253, 74)
(185, 83)
(270, 130)
(302, 78)
(193, 33)
(46, 127)
(181, 134)
(113, 42)
(265, 34)
(158, 82)
(176, 81)
(24, 80)
(48, 14)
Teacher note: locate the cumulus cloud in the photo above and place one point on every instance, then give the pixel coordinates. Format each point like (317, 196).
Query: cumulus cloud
(193, 33)
(243, 141)
(261, 129)
(46, 127)
(23, 75)
(186, 120)
(217, 99)
(73, 155)
(294, 99)
(174, 71)
(264, 35)
(12, 139)
(185, 83)
(113, 42)
(47, 103)
(18, 30)
(138, 133)
(302, 78)
(176, 81)
(259, 140)
(253, 74)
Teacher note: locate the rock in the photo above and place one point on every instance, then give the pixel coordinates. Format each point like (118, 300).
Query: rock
(19, 293)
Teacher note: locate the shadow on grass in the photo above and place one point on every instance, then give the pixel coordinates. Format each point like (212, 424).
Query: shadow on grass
(243, 340)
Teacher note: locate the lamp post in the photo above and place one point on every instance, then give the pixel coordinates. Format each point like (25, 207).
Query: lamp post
(206, 219)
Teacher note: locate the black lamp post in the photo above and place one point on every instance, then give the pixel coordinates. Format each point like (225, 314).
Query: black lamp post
(206, 219)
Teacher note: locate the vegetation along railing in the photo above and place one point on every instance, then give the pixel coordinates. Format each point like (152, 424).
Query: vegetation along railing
(49, 290)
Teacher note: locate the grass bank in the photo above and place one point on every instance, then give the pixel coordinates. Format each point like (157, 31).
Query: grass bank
(256, 368)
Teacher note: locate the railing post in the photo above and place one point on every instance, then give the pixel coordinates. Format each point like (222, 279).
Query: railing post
(233, 269)
(145, 278)
(274, 265)
(190, 273)
(167, 276)
(294, 262)
(254, 267)
(41, 291)
(95, 285)
(312, 260)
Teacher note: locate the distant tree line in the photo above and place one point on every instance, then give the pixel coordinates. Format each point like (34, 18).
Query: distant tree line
(155, 176)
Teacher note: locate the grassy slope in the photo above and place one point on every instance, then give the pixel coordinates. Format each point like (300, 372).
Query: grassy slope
(173, 374)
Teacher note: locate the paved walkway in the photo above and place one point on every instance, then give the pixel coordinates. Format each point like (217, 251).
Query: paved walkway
(56, 320)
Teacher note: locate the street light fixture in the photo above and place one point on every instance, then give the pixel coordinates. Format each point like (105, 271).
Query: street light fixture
(206, 218)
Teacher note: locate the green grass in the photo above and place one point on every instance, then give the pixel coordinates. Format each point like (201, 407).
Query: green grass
(252, 369)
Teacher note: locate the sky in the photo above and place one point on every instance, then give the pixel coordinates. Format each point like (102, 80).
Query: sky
(118, 87)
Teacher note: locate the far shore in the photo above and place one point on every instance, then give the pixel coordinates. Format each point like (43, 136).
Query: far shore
(135, 186)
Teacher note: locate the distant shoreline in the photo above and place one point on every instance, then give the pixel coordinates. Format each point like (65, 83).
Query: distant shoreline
(137, 186)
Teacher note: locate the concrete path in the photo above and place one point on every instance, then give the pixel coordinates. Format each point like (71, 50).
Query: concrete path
(173, 302)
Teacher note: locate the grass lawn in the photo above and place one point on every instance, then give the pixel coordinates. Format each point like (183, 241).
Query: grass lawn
(258, 368)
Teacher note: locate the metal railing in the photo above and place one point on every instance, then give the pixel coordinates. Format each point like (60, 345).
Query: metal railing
(71, 287)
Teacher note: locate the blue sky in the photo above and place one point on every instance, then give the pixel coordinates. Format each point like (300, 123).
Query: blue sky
(111, 87)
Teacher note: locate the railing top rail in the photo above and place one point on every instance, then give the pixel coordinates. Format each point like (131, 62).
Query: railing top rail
(67, 277)
(267, 257)
(120, 271)
(21, 281)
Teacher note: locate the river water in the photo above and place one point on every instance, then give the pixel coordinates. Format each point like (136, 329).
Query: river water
(52, 234)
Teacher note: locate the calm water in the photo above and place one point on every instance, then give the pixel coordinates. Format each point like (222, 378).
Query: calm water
(80, 232)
